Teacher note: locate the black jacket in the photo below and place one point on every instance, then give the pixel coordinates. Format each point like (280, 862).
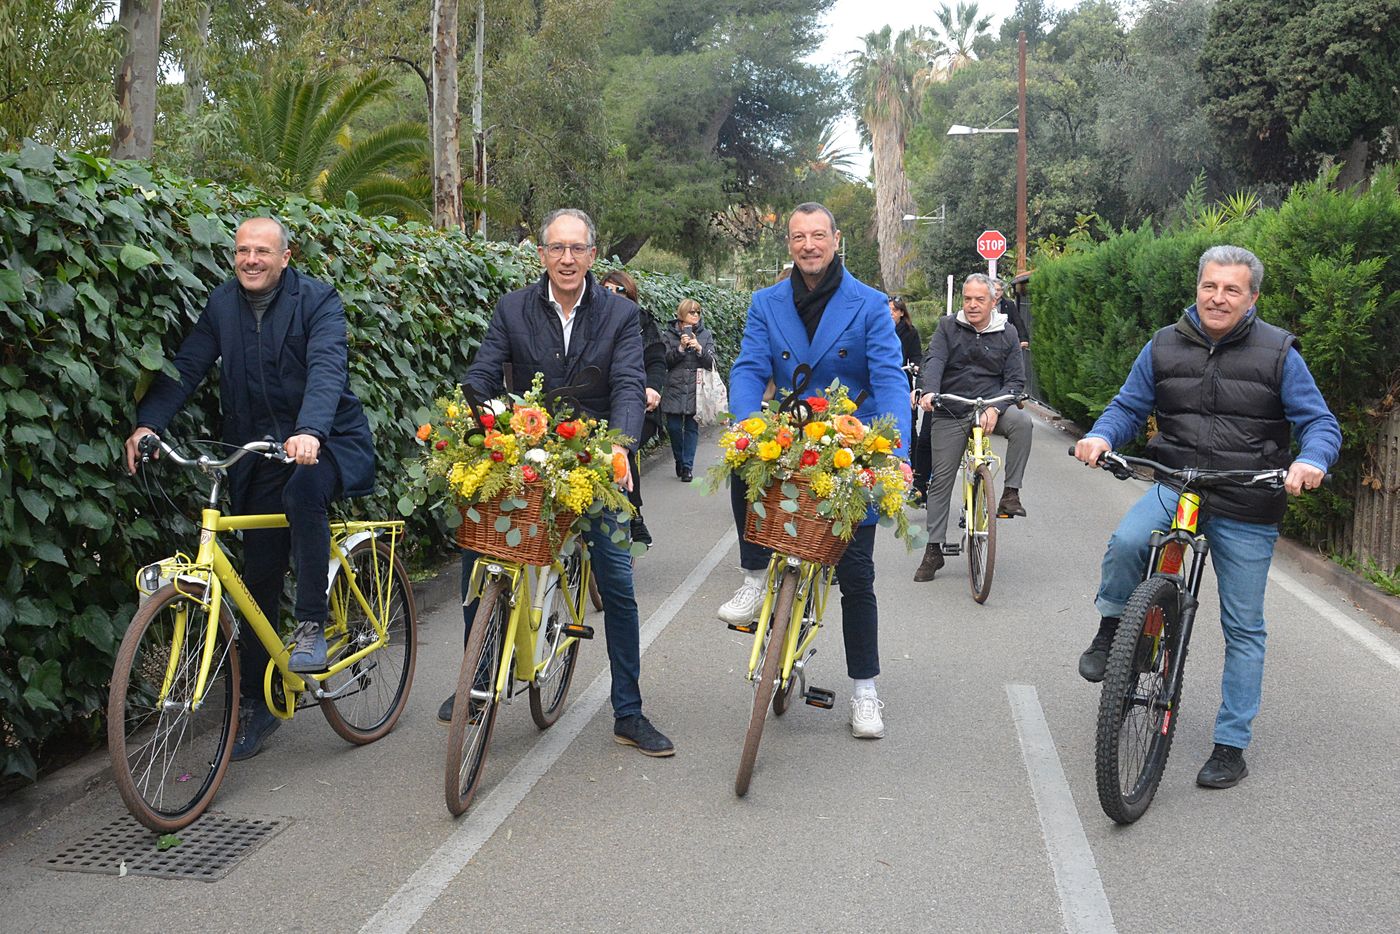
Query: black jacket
(967, 363)
(285, 375)
(678, 398)
(525, 334)
(909, 341)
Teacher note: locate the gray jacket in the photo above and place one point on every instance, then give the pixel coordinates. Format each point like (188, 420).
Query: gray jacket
(678, 398)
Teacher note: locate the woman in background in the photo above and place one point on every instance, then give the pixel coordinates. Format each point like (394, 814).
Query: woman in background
(689, 347)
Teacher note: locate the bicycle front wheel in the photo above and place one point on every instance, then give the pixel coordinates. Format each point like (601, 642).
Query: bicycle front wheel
(981, 535)
(782, 699)
(547, 693)
(1136, 718)
(474, 717)
(368, 697)
(169, 756)
(770, 673)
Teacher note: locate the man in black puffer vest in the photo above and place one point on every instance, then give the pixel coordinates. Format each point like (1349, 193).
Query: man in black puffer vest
(1228, 391)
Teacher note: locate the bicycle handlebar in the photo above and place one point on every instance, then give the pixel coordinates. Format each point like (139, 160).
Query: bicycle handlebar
(149, 444)
(979, 403)
(1121, 466)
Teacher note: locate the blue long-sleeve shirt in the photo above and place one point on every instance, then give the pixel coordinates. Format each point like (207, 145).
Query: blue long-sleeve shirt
(1316, 428)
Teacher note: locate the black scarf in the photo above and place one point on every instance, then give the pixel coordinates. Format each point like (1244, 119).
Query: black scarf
(811, 304)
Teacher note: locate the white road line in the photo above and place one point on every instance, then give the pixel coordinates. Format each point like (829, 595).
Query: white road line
(417, 894)
(1083, 903)
(1350, 627)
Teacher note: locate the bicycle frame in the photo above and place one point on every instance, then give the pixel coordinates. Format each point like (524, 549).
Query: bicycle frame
(213, 573)
(979, 451)
(532, 654)
(1167, 559)
(812, 580)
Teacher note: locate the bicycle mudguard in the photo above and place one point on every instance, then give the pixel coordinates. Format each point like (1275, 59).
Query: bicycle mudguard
(346, 547)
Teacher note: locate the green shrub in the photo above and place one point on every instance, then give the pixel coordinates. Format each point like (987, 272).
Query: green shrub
(105, 267)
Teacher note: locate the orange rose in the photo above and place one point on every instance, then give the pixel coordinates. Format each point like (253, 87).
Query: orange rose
(425, 432)
(619, 466)
(849, 427)
(784, 438)
(529, 422)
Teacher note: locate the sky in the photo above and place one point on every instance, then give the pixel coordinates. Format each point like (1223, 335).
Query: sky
(849, 21)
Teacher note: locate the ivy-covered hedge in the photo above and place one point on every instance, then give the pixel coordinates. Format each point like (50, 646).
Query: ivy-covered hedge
(105, 267)
(1330, 277)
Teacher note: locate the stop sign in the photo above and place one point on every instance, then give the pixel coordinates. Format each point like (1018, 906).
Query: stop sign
(991, 244)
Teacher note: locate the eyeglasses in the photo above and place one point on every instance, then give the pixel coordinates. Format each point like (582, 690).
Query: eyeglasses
(614, 288)
(816, 239)
(557, 250)
(261, 252)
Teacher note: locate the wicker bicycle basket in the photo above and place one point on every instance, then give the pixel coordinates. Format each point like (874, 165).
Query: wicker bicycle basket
(814, 540)
(490, 536)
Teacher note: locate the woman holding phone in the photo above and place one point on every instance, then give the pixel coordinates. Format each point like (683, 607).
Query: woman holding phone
(689, 347)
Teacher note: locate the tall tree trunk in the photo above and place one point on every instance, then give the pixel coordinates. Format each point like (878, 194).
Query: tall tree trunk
(478, 130)
(133, 135)
(628, 247)
(1353, 171)
(194, 72)
(892, 202)
(447, 175)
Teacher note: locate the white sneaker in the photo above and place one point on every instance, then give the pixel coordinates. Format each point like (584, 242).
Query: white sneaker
(743, 606)
(865, 717)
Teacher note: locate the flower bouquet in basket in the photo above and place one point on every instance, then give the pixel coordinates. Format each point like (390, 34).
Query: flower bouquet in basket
(521, 470)
(814, 471)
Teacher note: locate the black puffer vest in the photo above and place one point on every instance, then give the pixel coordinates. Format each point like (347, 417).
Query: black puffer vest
(1221, 407)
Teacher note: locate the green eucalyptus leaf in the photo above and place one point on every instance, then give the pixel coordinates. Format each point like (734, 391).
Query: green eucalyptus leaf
(502, 523)
(790, 528)
(513, 538)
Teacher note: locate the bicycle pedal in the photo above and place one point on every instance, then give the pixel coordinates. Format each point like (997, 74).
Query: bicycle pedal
(578, 631)
(952, 550)
(743, 627)
(820, 697)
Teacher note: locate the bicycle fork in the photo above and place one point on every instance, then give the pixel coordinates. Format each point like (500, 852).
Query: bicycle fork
(1167, 556)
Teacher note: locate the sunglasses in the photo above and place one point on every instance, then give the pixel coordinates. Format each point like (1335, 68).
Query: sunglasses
(615, 289)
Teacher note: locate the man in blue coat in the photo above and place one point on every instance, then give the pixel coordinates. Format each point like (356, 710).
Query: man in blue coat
(564, 326)
(826, 318)
(279, 339)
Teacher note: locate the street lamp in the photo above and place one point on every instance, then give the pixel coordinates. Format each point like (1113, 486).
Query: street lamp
(939, 218)
(958, 129)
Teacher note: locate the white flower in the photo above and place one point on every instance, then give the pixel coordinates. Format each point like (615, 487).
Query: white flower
(497, 407)
(537, 456)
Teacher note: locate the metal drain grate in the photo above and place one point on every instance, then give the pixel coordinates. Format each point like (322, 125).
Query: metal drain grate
(208, 850)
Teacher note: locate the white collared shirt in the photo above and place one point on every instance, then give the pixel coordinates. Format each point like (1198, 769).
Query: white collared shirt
(567, 320)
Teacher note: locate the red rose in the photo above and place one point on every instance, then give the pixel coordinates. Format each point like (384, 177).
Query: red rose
(584, 457)
(567, 430)
(530, 474)
(810, 457)
(741, 443)
(497, 456)
(441, 444)
(817, 403)
(487, 420)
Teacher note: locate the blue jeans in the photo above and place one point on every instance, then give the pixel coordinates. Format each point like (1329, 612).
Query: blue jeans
(1240, 553)
(612, 565)
(855, 575)
(685, 438)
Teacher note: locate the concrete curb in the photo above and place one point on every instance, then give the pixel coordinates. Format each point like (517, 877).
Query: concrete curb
(27, 809)
(1361, 592)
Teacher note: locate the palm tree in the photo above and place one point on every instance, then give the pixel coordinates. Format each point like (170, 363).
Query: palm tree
(823, 157)
(886, 79)
(956, 33)
(296, 139)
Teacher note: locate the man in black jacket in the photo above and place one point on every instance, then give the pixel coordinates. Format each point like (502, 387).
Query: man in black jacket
(279, 338)
(974, 354)
(560, 326)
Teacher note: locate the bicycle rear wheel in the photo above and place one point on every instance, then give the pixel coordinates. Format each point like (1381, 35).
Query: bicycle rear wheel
(375, 689)
(783, 696)
(167, 757)
(981, 535)
(1136, 720)
(769, 675)
(547, 694)
(474, 718)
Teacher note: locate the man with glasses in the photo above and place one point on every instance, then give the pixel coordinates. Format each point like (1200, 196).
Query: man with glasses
(823, 317)
(279, 338)
(560, 327)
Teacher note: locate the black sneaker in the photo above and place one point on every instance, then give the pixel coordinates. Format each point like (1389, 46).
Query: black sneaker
(1095, 657)
(637, 730)
(686, 475)
(1224, 769)
(445, 711)
(640, 532)
(255, 724)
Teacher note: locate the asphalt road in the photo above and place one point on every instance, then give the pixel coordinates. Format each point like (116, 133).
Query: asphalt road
(977, 812)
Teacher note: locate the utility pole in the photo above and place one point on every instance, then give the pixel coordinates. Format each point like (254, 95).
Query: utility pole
(1021, 156)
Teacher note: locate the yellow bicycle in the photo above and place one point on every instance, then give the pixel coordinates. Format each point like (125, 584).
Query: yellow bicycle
(515, 641)
(979, 518)
(172, 707)
(783, 632)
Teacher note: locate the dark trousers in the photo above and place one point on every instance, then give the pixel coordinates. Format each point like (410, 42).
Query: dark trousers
(685, 438)
(855, 575)
(923, 452)
(304, 492)
(612, 565)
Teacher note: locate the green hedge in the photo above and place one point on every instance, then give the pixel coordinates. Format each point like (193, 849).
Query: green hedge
(1329, 277)
(105, 267)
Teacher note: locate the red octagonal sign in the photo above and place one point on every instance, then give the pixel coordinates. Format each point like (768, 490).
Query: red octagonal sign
(991, 244)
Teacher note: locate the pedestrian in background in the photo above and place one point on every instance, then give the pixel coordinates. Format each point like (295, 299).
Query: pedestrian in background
(913, 348)
(654, 362)
(690, 347)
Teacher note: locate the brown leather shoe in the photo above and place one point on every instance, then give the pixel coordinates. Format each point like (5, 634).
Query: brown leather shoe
(1010, 504)
(933, 560)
